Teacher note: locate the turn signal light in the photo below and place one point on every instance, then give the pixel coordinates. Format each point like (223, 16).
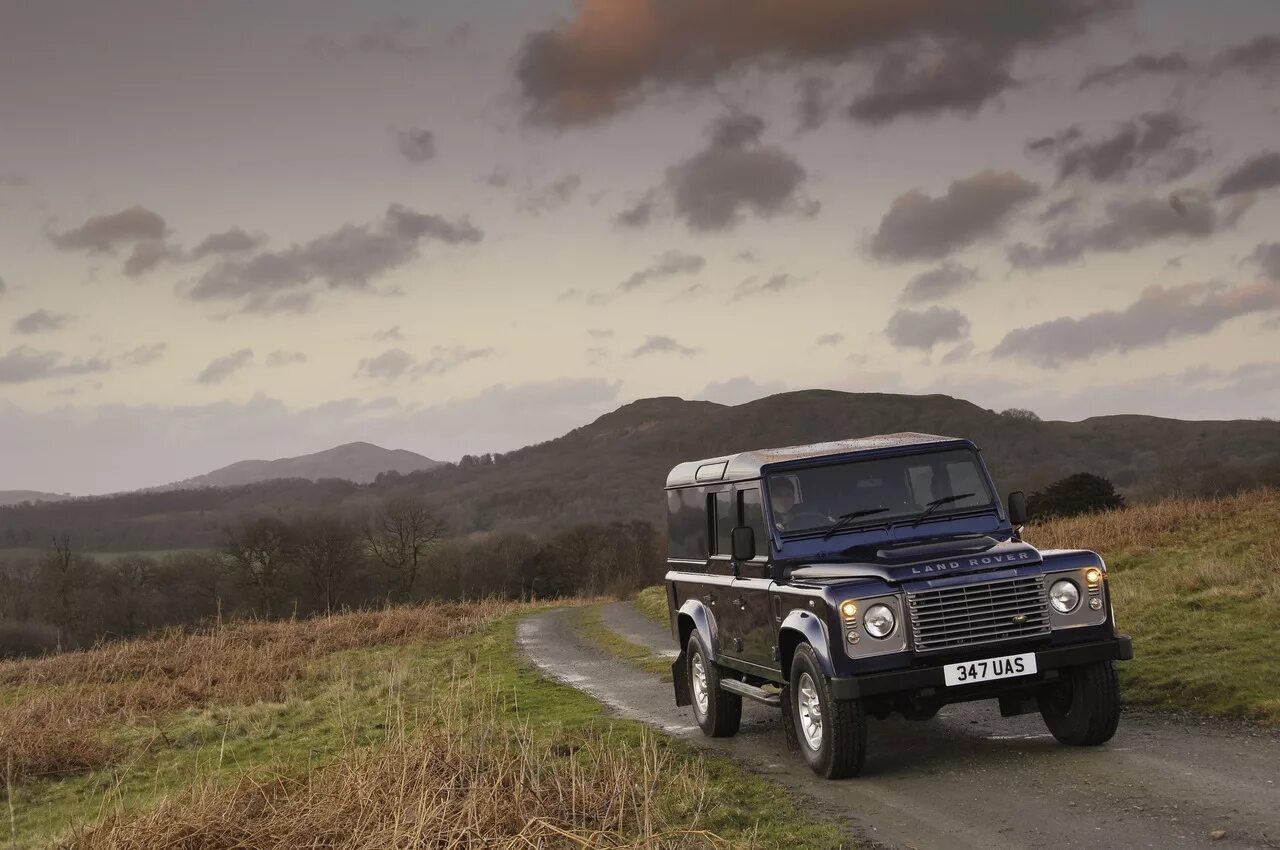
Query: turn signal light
(1092, 576)
(849, 609)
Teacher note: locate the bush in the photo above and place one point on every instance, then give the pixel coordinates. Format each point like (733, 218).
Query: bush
(26, 640)
(1082, 493)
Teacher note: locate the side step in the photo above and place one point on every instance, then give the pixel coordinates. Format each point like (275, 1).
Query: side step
(742, 689)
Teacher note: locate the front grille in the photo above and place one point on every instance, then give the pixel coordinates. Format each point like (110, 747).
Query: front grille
(978, 613)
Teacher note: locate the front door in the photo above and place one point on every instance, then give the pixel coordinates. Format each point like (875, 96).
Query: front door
(750, 591)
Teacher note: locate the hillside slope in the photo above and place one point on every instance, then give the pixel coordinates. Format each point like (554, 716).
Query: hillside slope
(358, 462)
(17, 497)
(614, 468)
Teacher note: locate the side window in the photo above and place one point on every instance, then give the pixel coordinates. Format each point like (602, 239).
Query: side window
(751, 511)
(724, 523)
(686, 524)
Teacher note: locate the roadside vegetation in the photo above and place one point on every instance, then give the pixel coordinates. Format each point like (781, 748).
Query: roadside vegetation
(1197, 584)
(412, 727)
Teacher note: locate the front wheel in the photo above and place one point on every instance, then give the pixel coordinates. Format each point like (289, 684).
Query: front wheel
(832, 733)
(1082, 708)
(719, 713)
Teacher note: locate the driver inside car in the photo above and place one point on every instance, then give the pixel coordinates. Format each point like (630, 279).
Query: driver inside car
(789, 513)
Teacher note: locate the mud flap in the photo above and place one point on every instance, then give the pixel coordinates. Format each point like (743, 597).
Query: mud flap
(680, 679)
(788, 722)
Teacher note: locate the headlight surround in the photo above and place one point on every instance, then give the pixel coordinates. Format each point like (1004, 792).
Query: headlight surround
(1064, 596)
(879, 621)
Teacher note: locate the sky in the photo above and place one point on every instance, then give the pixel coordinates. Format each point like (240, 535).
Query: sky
(246, 229)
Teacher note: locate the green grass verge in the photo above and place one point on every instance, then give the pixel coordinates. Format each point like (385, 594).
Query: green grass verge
(652, 602)
(590, 626)
(351, 699)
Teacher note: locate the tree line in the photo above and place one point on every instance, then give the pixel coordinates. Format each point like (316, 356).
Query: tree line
(270, 567)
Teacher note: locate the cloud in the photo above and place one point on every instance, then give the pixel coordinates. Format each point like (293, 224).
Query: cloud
(149, 254)
(144, 355)
(1160, 145)
(415, 144)
(392, 333)
(754, 286)
(391, 37)
(814, 103)
(4, 287)
(735, 174)
(1267, 258)
(611, 53)
(600, 333)
(919, 227)
(1159, 314)
(105, 233)
(232, 241)
(350, 257)
(388, 366)
(829, 339)
(669, 265)
(926, 328)
(12, 179)
(280, 357)
(1163, 64)
(1253, 175)
(739, 390)
(950, 77)
(224, 367)
(447, 358)
(40, 321)
(61, 448)
(663, 345)
(1128, 224)
(938, 283)
(1259, 57)
(25, 364)
(638, 215)
(551, 197)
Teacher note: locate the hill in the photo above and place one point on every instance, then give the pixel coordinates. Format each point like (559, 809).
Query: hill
(358, 462)
(17, 497)
(613, 469)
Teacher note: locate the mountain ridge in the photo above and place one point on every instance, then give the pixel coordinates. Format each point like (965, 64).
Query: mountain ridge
(360, 462)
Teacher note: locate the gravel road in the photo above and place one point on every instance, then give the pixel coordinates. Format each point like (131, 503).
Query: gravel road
(969, 778)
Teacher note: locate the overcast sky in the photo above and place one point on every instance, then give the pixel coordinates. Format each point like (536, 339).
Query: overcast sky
(256, 229)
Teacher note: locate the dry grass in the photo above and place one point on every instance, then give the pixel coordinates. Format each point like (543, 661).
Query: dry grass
(1197, 583)
(64, 703)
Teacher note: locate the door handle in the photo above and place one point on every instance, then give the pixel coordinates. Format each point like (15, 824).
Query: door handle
(741, 603)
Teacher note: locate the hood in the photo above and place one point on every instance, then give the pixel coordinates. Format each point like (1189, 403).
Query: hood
(926, 560)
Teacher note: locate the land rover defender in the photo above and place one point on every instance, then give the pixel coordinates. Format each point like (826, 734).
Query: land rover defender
(859, 578)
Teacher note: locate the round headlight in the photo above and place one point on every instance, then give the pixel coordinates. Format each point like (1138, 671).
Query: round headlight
(879, 621)
(1064, 596)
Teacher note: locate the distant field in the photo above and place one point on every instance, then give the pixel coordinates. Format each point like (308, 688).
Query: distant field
(412, 727)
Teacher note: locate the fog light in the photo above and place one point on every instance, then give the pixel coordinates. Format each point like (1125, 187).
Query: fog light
(853, 637)
(1095, 603)
(849, 609)
(1064, 596)
(1092, 576)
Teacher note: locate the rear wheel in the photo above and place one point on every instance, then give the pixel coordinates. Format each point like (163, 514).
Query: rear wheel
(832, 733)
(719, 713)
(1082, 708)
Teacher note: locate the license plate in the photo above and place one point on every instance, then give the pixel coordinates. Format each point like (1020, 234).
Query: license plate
(988, 669)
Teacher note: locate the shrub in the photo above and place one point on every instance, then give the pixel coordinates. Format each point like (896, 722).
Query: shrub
(1082, 493)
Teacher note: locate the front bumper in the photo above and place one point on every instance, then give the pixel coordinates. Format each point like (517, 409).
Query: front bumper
(916, 679)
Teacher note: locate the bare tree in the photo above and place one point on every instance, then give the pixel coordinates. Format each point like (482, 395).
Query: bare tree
(260, 551)
(61, 577)
(400, 535)
(328, 549)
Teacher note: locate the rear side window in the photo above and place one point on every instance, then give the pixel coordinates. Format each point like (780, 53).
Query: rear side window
(686, 524)
(724, 522)
(751, 509)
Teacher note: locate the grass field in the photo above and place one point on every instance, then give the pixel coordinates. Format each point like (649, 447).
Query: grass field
(414, 727)
(1196, 582)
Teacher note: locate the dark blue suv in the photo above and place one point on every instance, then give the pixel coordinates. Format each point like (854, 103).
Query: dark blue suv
(877, 575)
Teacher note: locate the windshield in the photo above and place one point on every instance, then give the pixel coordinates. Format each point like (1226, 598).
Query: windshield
(879, 491)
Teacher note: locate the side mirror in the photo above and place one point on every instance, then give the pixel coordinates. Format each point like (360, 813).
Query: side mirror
(1018, 508)
(744, 543)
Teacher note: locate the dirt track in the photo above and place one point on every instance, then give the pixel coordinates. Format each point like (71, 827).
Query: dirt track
(969, 778)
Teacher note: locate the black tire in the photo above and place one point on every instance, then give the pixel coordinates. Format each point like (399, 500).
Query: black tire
(1082, 708)
(721, 715)
(842, 742)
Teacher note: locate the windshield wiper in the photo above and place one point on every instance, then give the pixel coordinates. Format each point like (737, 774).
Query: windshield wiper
(844, 519)
(937, 503)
